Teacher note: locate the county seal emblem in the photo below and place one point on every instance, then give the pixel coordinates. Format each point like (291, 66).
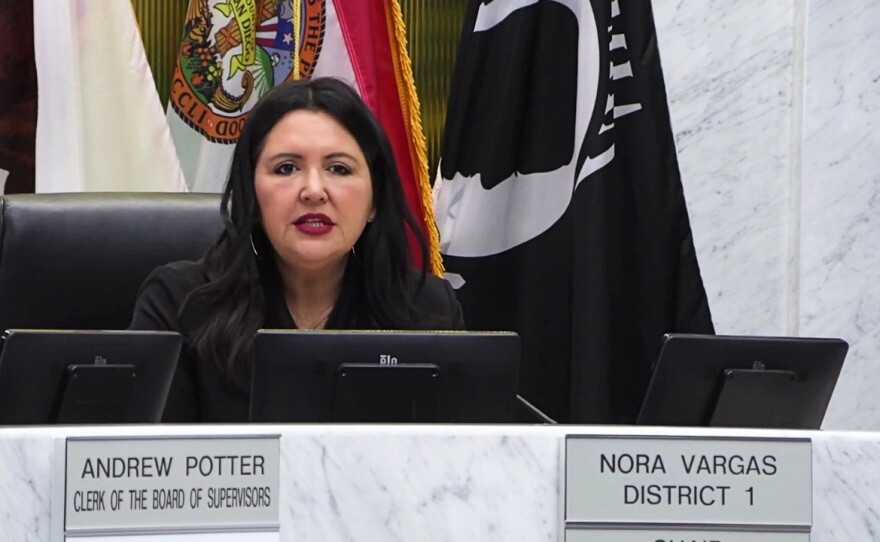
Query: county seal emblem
(234, 51)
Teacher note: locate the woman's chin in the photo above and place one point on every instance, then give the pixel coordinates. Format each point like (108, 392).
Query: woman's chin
(315, 260)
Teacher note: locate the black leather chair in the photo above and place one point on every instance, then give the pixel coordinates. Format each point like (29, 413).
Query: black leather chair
(76, 261)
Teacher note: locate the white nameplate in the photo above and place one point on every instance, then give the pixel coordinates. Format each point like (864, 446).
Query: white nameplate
(694, 481)
(171, 484)
(666, 535)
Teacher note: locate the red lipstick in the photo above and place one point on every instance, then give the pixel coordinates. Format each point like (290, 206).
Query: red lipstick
(314, 224)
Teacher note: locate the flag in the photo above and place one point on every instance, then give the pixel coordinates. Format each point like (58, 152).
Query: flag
(18, 94)
(100, 125)
(559, 202)
(233, 52)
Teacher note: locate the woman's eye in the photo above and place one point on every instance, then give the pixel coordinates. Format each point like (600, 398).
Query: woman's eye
(284, 169)
(340, 169)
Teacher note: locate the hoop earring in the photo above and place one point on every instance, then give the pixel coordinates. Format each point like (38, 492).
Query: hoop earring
(253, 247)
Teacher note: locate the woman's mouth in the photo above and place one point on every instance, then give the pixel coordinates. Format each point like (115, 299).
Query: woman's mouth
(314, 224)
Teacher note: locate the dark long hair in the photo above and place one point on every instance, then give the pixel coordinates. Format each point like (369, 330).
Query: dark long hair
(378, 283)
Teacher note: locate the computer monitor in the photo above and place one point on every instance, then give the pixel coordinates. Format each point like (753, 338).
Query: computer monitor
(73, 377)
(384, 376)
(769, 382)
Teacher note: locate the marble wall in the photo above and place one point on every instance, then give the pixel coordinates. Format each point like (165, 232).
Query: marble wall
(773, 105)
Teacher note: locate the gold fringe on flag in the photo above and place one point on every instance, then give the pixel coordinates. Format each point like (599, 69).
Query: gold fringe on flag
(412, 117)
(297, 26)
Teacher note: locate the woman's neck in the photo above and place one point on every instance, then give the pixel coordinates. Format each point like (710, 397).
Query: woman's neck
(310, 295)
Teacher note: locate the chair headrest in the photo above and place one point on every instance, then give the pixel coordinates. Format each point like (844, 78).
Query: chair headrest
(76, 261)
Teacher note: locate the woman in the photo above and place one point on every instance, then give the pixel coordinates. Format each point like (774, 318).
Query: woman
(315, 238)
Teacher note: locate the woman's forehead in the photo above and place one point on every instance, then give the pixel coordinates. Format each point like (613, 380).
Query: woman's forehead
(307, 130)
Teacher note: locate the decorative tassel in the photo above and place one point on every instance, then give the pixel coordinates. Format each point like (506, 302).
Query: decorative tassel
(406, 89)
(297, 26)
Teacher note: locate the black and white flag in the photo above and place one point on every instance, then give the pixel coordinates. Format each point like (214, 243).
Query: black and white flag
(559, 202)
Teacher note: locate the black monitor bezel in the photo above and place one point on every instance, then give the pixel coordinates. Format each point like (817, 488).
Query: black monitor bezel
(689, 376)
(35, 363)
(294, 374)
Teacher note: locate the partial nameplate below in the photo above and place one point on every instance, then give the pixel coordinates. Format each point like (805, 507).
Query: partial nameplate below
(237, 536)
(151, 485)
(661, 535)
(689, 481)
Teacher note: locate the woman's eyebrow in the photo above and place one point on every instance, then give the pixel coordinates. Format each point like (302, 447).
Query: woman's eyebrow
(280, 155)
(340, 154)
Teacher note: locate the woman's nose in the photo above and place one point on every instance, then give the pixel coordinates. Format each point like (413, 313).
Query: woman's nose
(313, 190)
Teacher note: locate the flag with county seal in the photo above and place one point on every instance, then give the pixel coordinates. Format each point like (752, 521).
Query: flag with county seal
(233, 52)
(559, 202)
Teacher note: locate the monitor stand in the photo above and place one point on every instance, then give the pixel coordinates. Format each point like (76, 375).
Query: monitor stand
(406, 393)
(755, 398)
(94, 394)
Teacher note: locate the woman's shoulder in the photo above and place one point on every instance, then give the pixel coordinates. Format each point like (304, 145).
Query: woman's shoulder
(178, 277)
(163, 293)
(174, 281)
(436, 301)
(433, 284)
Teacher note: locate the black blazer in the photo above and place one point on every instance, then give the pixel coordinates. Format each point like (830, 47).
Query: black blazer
(199, 391)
